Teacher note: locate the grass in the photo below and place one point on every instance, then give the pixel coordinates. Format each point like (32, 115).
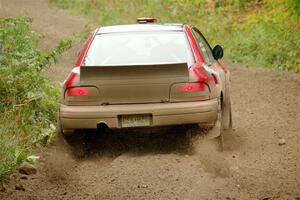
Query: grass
(27, 99)
(265, 32)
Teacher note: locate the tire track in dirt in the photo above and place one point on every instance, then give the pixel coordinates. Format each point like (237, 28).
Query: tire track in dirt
(164, 165)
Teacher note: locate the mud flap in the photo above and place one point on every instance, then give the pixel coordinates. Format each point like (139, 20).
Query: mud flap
(227, 115)
(217, 131)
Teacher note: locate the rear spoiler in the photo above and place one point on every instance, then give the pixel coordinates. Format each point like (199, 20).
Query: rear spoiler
(117, 72)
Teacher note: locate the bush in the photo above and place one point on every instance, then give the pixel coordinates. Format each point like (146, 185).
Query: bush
(294, 5)
(27, 99)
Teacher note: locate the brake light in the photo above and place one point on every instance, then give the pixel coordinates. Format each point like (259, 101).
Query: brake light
(144, 20)
(77, 95)
(189, 92)
(192, 87)
(79, 91)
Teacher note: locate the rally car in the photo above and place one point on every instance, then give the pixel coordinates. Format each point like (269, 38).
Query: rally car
(147, 75)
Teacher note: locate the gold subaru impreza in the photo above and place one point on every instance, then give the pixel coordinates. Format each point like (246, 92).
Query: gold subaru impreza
(146, 75)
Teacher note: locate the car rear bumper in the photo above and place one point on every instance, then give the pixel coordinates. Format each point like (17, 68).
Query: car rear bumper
(163, 114)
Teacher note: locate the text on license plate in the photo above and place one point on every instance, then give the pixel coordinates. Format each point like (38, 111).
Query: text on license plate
(135, 120)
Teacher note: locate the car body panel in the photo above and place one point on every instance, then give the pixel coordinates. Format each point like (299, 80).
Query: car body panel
(85, 49)
(134, 84)
(163, 114)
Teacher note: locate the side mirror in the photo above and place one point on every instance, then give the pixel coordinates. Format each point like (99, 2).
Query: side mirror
(218, 52)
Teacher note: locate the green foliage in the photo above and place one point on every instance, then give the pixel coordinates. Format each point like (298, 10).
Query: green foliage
(294, 5)
(261, 32)
(27, 99)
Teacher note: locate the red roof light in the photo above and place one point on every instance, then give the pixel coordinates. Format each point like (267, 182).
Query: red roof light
(145, 20)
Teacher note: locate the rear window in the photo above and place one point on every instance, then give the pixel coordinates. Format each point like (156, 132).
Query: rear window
(138, 48)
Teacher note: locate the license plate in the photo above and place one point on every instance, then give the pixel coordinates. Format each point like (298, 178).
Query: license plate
(135, 120)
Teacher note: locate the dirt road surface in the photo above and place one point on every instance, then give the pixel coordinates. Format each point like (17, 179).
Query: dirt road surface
(163, 164)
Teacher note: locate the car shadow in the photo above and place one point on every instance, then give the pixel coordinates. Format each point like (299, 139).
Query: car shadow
(138, 142)
(141, 141)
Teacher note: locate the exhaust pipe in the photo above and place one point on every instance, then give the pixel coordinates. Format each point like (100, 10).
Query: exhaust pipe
(102, 127)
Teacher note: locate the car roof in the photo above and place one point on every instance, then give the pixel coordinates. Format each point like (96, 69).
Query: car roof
(140, 28)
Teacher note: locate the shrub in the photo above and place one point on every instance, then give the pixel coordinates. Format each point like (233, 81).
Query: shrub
(27, 99)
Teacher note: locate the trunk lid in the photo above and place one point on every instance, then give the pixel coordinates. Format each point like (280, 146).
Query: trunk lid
(134, 83)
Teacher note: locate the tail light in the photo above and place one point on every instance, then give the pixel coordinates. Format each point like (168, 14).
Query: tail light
(75, 94)
(193, 87)
(189, 92)
(81, 95)
(81, 91)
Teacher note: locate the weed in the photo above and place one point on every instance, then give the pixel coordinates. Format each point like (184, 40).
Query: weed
(28, 100)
